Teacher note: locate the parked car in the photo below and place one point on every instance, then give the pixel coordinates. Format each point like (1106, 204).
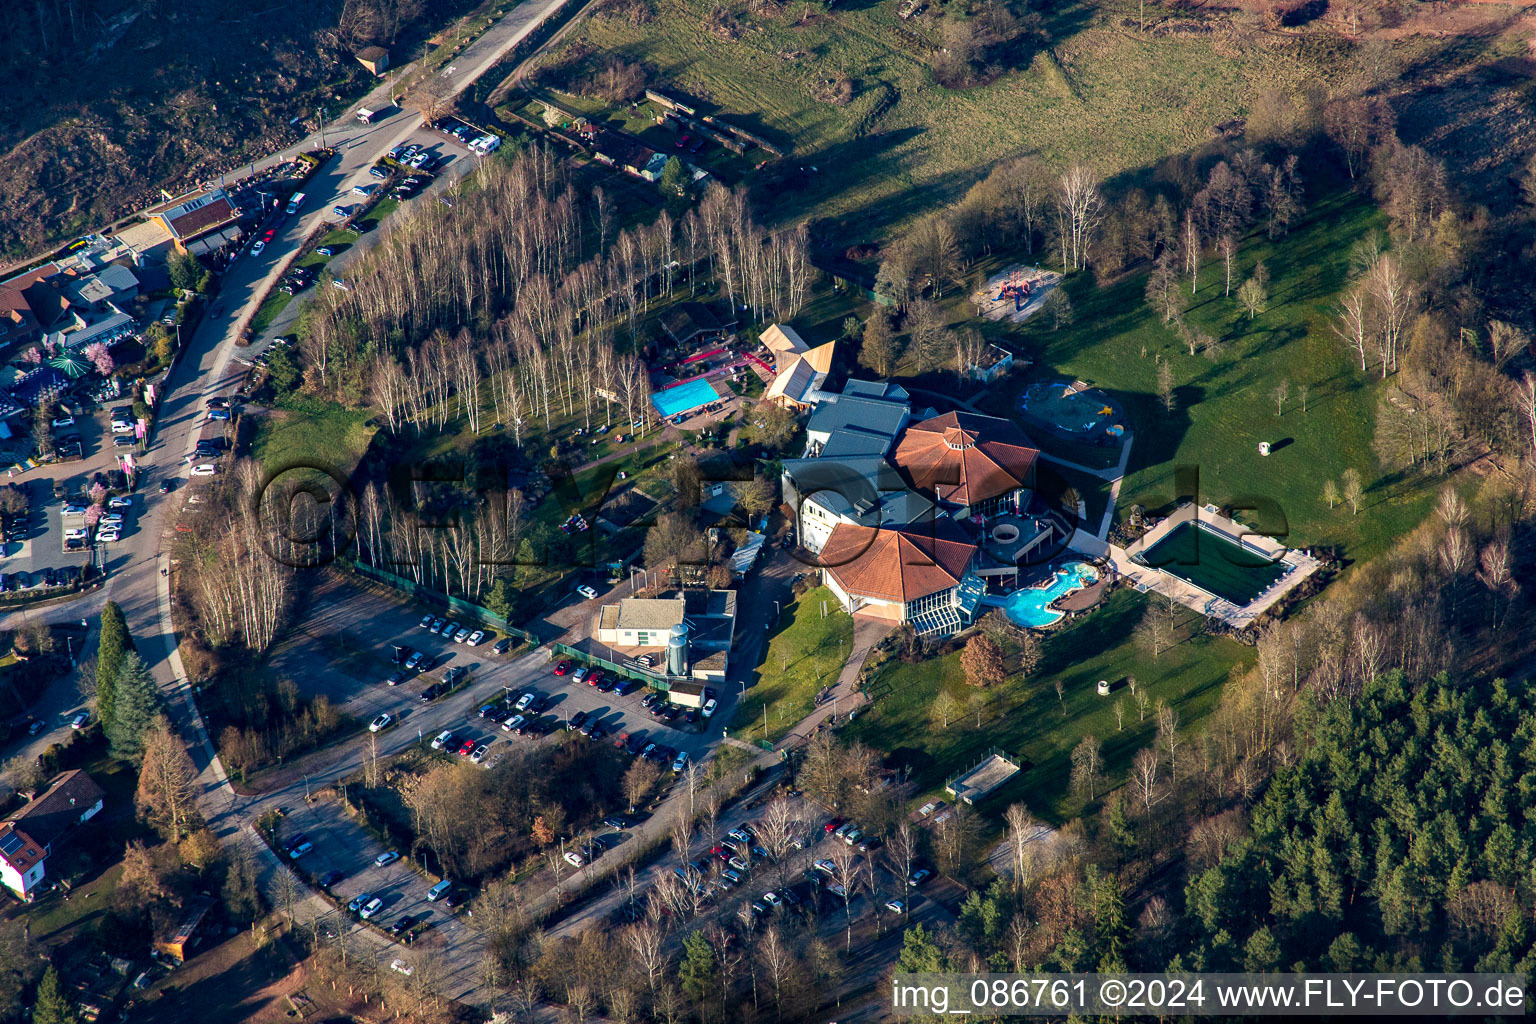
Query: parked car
(108, 535)
(680, 763)
(425, 623)
(502, 646)
(575, 721)
(301, 850)
(326, 250)
(525, 700)
(586, 592)
(476, 638)
(64, 421)
(388, 857)
(119, 501)
(480, 752)
(442, 740)
(449, 629)
(329, 879)
(512, 724)
(371, 908)
(401, 924)
(437, 625)
(401, 966)
(78, 722)
(461, 634)
(581, 674)
(384, 721)
(257, 246)
(415, 660)
(918, 877)
(431, 693)
(357, 902)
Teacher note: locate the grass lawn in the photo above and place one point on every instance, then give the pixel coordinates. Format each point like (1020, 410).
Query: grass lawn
(1100, 93)
(595, 483)
(1225, 406)
(313, 433)
(1025, 718)
(805, 654)
(277, 301)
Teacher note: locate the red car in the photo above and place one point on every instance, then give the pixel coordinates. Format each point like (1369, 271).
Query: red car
(562, 668)
(595, 678)
(467, 749)
(271, 233)
(831, 826)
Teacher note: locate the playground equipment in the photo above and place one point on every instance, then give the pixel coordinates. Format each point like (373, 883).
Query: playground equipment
(1016, 287)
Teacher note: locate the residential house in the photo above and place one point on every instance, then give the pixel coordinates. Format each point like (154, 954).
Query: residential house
(210, 214)
(30, 307)
(29, 836)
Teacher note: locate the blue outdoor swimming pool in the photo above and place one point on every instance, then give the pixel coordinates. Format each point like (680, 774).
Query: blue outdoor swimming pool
(1029, 607)
(682, 397)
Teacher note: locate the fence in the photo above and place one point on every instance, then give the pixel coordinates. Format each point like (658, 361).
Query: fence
(456, 605)
(623, 671)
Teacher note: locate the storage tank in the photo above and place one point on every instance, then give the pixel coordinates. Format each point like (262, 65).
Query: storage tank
(677, 650)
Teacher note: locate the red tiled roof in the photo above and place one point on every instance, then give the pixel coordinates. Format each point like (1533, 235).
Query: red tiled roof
(24, 851)
(964, 458)
(202, 219)
(896, 565)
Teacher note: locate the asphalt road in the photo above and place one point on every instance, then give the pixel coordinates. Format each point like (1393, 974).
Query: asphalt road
(206, 369)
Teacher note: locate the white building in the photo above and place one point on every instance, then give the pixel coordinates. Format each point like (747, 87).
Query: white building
(28, 837)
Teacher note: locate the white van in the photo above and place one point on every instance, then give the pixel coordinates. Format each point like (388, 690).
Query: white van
(439, 890)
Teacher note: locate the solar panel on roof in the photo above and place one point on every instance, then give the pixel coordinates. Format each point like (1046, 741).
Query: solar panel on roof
(11, 843)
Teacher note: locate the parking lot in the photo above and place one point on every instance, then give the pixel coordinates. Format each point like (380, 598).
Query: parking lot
(341, 846)
(344, 649)
(40, 542)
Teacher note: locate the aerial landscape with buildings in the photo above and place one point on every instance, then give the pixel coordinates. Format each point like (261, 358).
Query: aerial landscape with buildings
(835, 511)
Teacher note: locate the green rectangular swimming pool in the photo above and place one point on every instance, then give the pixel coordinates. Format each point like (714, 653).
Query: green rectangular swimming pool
(1214, 563)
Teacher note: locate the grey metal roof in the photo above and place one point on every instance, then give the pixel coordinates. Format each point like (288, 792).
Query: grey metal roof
(877, 389)
(870, 415)
(854, 443)
(868, 491)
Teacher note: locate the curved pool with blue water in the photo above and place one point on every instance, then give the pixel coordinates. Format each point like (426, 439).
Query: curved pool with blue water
(1030, 606)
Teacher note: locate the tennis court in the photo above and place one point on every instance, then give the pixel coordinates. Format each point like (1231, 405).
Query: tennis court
(1213, 562)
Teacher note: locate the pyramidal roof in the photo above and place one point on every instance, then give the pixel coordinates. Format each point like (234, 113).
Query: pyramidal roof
(964, 458)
